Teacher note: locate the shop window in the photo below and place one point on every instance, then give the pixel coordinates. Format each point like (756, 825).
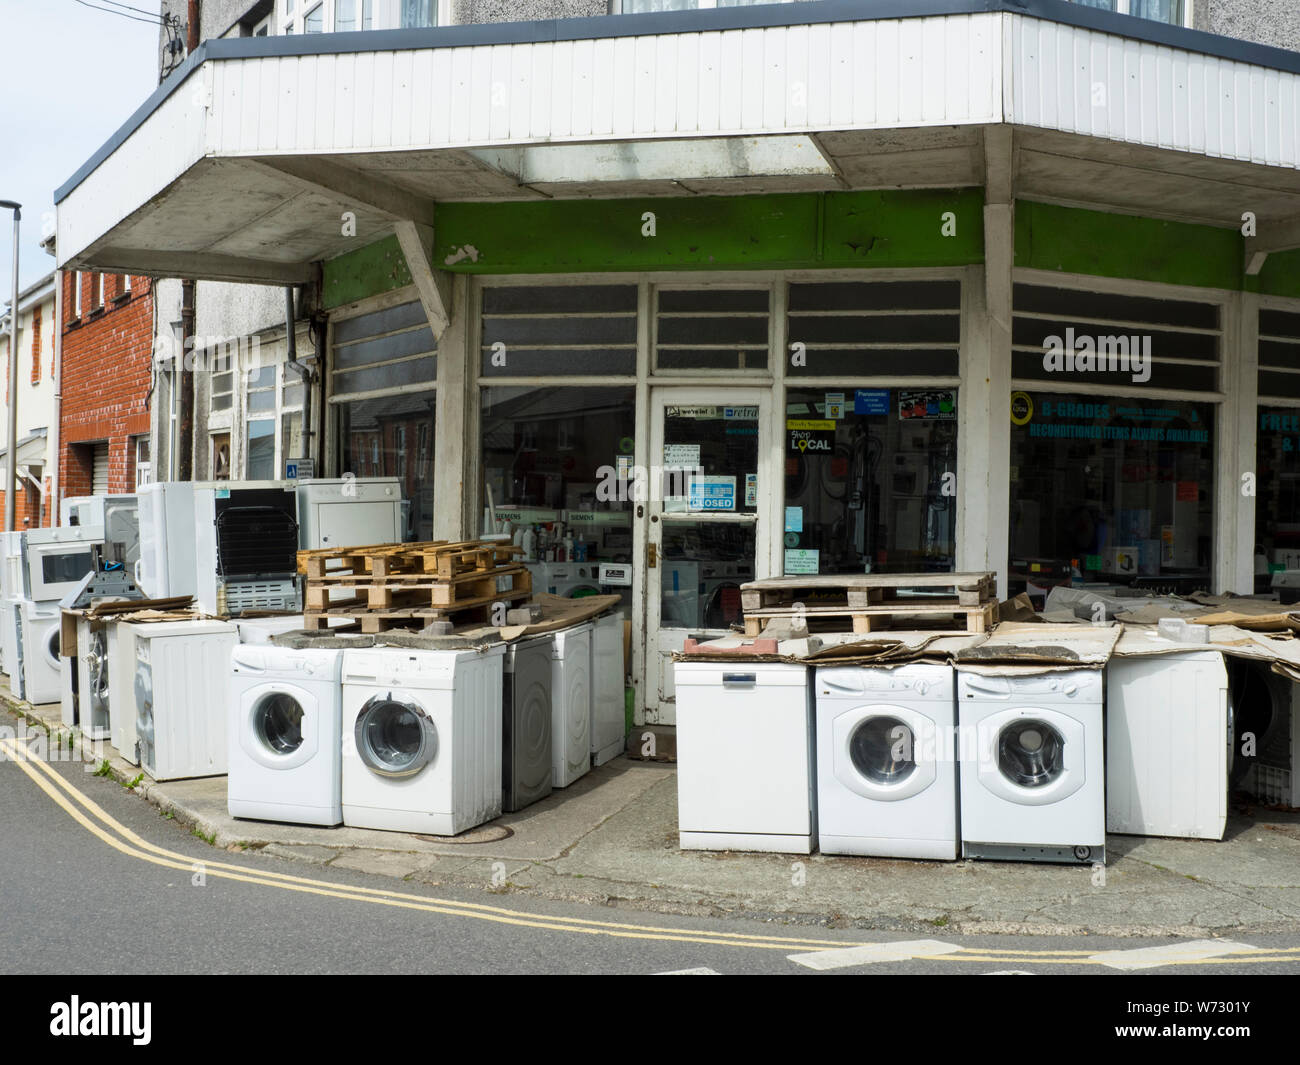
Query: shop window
(1170, 12)
(373, 438)
(1277, 493)
(894, 329)
(551, 459)
(1109, 492)
(712, 329)
(1067, 335)
(558, 330)
(870, 480)
(388, 349)
(1279, 354)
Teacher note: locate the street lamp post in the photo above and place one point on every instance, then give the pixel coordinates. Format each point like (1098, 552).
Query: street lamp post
(12, 457)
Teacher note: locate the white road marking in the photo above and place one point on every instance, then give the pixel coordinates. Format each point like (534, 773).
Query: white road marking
(1154, 957)
(690, 972)
(874, 953)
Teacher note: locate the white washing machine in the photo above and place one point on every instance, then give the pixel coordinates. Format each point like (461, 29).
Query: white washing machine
(421, 739)
(1032, 757)
(40, 652)
(568, 579)
(1169, 749)
(608, 716)
(179, 681)
(285, 734)
(526, 770)
(93, 693)
(886, 762)
(571, 704)
(11, 624)
(745, 777)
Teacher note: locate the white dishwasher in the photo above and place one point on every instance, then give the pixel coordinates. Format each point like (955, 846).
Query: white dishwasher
(745, 748)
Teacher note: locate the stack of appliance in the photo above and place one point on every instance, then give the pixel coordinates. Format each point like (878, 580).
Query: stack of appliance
(231, 544)
(913, 761)
(55, 562)
(117, 515)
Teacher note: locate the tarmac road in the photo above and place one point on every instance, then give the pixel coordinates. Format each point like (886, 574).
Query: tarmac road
(94, 881)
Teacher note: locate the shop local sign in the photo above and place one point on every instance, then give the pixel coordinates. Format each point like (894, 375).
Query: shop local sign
(811, 434)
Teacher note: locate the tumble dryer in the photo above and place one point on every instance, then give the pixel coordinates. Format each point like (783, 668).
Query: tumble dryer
(608, 716)
(285, 734)
(526, 771)
(40, 651)
(179, 683)
(886, 769)
(421, 739)
(1031, 761)
(571, 704)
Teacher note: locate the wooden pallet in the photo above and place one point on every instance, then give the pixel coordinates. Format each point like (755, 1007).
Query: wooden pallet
(860, 590)
(436, 558)
(980, 618)
(450, 593)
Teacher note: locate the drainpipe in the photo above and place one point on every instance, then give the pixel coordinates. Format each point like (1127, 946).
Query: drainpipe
(58, 396)
(185, 431)
(306, 373)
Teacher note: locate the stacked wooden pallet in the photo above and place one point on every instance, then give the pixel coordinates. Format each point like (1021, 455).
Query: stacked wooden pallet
(409, 585)
(871, 601)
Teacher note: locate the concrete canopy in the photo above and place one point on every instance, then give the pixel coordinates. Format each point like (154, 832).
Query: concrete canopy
(262, 157)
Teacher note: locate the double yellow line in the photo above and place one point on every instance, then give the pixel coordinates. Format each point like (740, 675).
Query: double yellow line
(95, 820)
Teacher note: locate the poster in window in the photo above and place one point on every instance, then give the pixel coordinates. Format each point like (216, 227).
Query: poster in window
(928, 405)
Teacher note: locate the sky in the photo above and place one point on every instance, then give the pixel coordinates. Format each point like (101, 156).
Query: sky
(69, 77)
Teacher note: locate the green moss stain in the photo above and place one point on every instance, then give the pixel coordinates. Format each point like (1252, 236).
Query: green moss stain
(368, 271)
(892, 228)
(923, 227)
(1077, 241)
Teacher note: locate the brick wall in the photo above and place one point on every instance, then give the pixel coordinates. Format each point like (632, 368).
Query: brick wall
(36, 344)
(106, 356)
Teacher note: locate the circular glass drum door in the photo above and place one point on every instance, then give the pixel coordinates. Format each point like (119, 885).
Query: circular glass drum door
(395, 738)
(1031, 753)
(277, 718)
(883, 749)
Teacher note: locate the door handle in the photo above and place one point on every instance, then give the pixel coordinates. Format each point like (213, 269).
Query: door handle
(651, 556)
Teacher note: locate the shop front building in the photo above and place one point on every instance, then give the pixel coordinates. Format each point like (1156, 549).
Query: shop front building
(626, 295)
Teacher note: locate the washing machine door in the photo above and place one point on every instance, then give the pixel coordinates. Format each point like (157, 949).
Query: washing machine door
(885, 752)
(279, 725)
(50, 642)
(395, 737)
(1032, 756)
